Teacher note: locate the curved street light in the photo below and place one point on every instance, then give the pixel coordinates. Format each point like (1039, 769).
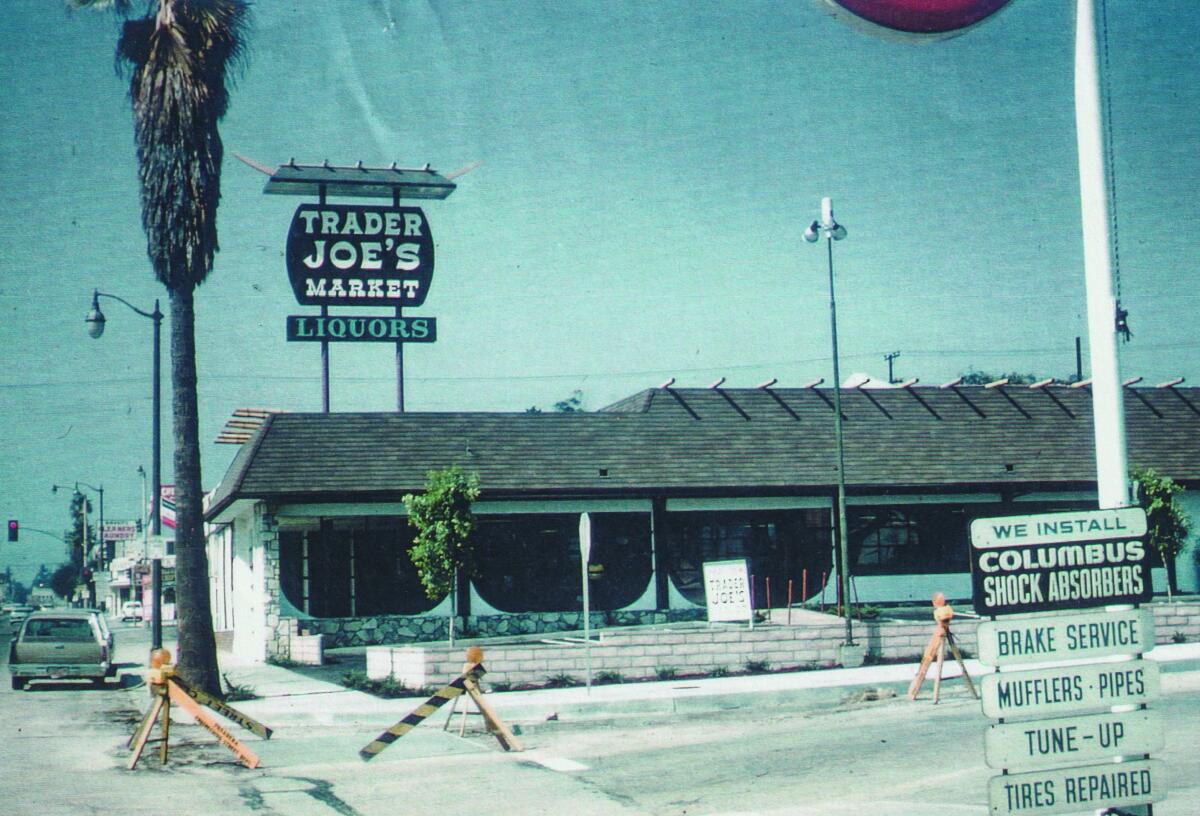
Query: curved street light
(95, 327)
(829, 229)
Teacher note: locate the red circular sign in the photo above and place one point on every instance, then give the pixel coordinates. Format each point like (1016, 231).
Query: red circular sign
(922, 16)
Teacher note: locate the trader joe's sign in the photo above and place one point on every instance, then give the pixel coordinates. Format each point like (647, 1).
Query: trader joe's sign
(1054, 561)
(359, 255)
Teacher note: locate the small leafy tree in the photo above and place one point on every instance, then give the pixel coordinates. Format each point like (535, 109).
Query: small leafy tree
(64, 579)
(1167, 524)
(441, 548)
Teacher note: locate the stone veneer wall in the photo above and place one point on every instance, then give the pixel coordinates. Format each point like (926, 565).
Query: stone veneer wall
(377, 629)
(280, 630)
(638, 654)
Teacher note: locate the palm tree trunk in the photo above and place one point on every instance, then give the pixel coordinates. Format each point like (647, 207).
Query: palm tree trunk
(197, 646)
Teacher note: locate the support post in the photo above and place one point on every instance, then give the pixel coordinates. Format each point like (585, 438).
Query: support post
(156, 605)
(1108, 409)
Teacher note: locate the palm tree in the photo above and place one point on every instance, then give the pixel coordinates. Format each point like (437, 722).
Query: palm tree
(179, 56)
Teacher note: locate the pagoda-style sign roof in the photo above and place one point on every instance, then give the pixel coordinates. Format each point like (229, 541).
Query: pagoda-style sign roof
(357, 180)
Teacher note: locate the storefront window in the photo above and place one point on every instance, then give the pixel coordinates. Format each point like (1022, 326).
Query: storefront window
(351, 568)
(924, 538)
(782, 545)
(531, 563)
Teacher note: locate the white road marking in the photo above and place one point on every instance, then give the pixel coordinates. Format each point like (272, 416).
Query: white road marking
(553, 763)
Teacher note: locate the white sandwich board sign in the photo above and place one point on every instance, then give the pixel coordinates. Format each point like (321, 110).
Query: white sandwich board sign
(727, 590)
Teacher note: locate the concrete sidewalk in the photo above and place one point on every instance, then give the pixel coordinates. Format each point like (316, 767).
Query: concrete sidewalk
(287, 697)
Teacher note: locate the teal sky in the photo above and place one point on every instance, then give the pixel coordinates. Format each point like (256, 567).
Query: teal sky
(647, 171)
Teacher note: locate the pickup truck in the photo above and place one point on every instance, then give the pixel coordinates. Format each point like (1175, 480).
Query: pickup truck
(67, 643)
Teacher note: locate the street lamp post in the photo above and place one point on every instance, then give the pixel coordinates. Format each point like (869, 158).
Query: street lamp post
(95, 325)
(831, 231)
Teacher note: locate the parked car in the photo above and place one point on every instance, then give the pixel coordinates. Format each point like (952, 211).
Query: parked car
(65, 643)
(131, 611)
(17, 613)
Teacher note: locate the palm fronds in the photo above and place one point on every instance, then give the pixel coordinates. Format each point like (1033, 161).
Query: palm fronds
(180, 58)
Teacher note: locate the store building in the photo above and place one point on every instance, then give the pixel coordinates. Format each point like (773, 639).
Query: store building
(308, 531)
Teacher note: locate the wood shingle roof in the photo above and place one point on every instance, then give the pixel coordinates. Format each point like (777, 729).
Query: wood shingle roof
(712, 441)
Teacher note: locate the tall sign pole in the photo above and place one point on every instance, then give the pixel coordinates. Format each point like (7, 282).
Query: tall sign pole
(585, 554)
(399, 345)
(1108, 409)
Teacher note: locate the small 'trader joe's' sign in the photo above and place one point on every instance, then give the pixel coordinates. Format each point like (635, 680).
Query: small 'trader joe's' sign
(727, 590)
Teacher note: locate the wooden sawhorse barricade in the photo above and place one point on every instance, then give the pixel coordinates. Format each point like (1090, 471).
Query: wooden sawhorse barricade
(167, 688)
(466, 683)
(942, 614)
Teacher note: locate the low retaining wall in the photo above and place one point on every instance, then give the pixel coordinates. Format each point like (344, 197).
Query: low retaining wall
(810, 642)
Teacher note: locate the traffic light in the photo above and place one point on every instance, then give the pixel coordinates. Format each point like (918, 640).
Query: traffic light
(14, 529)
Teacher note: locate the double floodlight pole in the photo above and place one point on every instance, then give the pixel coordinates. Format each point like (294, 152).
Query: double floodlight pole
(829, 229)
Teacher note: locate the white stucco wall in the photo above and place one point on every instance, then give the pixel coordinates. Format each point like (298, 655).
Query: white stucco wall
(249, 638)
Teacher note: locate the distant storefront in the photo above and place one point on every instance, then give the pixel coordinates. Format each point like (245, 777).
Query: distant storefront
(308, 531)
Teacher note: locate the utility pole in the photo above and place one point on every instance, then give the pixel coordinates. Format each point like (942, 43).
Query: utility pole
(890, 358)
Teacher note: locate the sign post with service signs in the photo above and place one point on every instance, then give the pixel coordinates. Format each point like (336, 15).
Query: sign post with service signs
(1024, 567)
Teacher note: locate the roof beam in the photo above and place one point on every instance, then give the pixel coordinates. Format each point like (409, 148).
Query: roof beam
(765, 384)
(1000, 383)
(1131, 381)
(813, 383)
(1170, 383)
(952, 384)
(717, 383)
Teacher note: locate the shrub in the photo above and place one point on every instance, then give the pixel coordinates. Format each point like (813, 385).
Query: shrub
(237, 691)
(561, 681)
(758, 666)
(719, 671)
(387, 687)
(608, 677)
(666, 673)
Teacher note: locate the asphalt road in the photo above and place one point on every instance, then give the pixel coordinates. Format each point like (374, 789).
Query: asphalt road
(62, 751)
